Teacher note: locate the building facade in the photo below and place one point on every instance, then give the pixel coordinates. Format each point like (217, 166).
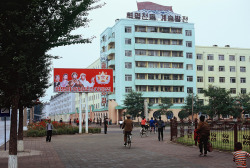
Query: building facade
(151, 51)
(62, 105)
(224, 67)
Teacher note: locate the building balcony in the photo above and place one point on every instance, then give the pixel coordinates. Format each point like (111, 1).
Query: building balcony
(160, 70)
(159, 35)
(159, 47)
(111, 51)
(159, 59)
(111, 63)
(163, 94)
(160, 82)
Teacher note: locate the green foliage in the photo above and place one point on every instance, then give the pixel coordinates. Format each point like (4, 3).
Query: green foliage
(169, 114)
(197, 106)
(183, 114)
(165, 104)
(134, 104)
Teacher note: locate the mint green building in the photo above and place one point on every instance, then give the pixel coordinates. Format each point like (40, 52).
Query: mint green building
(151, 51)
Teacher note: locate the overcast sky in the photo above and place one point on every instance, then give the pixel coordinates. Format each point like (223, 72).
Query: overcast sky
(221, 22)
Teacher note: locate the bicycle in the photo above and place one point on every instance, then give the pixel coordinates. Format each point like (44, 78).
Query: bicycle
(128, 143)
(143, 131)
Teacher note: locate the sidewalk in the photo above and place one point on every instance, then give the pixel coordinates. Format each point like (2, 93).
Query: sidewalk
(107, 150)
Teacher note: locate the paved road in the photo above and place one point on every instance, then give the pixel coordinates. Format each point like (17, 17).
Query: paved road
(107, 150)
(2, 131)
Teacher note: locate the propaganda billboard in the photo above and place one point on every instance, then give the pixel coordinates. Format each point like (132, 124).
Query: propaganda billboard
(83, 80)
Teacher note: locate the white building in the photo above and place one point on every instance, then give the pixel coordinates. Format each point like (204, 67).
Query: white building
(61, 106)
(45, 110)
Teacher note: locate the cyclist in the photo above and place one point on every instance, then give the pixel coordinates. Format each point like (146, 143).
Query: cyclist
(143, 123)
(152, 124)
(128, 127)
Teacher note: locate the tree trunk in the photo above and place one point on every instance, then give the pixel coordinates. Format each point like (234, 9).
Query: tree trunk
(12, 163)
(20, 147)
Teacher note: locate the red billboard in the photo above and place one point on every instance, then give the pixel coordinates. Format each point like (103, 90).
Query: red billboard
(83, 80)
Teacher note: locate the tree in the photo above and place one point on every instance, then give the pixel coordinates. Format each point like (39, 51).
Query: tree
(219, 101)
(197, 106)
(134, 104)
(165, 104)
(240, 105)
(28, 30)
(183, 114)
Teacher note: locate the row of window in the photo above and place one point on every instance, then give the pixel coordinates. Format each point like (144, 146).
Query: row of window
(173, 100)
(158, 41)
(232, 90)
(162, 65)
(220, 57)
(158, 53)
(175, 42)
(221, 68)
(160, 76)
(221, 79)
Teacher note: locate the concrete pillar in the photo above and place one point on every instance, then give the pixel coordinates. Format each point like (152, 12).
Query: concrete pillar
(117, 114)
(146, 109)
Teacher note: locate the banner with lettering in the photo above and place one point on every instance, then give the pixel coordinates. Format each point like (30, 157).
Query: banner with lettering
(83, 80)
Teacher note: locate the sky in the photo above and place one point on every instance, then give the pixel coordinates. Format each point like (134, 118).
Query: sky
(220, 22)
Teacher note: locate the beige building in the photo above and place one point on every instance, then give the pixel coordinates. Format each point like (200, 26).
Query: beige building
(224, 67)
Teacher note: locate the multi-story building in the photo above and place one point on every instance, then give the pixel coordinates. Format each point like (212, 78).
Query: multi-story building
(224, 67)
(61, 106)
(151, 51)
(45, 110)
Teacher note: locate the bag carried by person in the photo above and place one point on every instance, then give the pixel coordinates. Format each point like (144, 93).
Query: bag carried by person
(209, 146)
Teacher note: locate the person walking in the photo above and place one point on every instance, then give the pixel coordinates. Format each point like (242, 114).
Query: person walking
(160, 124)
(240, 156)
(128, 127)
(49, 128)
(100, 121)
(105, 125)
(203, 130)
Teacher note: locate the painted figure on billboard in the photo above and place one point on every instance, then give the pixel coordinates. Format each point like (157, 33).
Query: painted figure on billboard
(74, 82)
(84, 82)
(57, 81)
(65, 81)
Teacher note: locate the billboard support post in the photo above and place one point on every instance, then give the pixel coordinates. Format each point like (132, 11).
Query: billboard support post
(86, 113)
(80, 113)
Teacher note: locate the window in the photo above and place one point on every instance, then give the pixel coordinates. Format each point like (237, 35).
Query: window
(141, 29)
(165, 53)
(199, 78)
(232, 68)
(189, 55)
(189, 90)
(243, 90)
(188, 32)
(189, 66)
(190, 78)
(199, 56)
(152, 64)
(165, 65)
(222, 79)
(151, 29)
(141, 64)
(140, 52)
(166, 77)
(141, 76)
(152, 53)
(199, 90)
(128, 53)
(128, 89)
(140, 40)
(201, 101)
(242, 58)
(188, 43)
(175, 89)
(221, 57)
(232, 80)
(242, 69)
(175, 77)
(128, 29)
(150, 76)
(231, 58)
(233, 90)
(210, 57)
(128, 77)
(128, 65)
(242, 80)
(211, 79)
(199, 67)
(221, 68)
(210, 68)
(127, 41)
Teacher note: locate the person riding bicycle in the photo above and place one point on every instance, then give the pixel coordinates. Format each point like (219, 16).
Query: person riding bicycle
(143, 123)
(152, 124)
(128, 127)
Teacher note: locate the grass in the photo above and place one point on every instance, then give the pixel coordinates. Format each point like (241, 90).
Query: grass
(223, 140)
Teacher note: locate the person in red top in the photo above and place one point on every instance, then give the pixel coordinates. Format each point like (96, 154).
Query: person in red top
(143, 122)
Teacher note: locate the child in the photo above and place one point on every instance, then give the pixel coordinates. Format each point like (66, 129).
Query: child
(240, 156)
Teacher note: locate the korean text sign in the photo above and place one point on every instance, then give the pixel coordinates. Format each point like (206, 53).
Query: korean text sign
(83, 80)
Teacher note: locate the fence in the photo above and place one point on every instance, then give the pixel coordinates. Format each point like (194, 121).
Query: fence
(223, 134)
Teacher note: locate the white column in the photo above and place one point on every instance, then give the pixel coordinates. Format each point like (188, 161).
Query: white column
(146, 109)
(117, 113)
(80, 113)
(86, 113)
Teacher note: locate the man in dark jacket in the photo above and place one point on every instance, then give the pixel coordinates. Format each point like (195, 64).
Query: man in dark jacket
(105, 125)
(203, 130)
(128, 127)
(160, 124)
